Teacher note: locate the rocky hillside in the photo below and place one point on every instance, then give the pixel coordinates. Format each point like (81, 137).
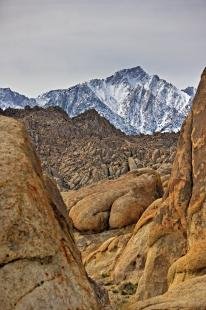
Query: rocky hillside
(87, 148)
(131, 99)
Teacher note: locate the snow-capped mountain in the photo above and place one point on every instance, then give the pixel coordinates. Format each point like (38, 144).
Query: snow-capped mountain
(131, 99)
(9, 98)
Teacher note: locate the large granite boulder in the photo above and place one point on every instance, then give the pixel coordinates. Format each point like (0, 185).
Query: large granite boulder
(41, 267)
(115, 203)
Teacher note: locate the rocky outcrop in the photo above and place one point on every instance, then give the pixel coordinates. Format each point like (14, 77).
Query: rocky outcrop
(188, 294)
(113, 204)
(100, 263)
(99, 252)
(132, 164)
(176, 260)
(40, 266)
(131, 263)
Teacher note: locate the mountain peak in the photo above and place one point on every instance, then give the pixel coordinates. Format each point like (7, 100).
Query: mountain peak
(130, 99)
(136, 69)
(135, 72)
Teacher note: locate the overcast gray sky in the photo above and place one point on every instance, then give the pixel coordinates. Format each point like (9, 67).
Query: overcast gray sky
(48, 44)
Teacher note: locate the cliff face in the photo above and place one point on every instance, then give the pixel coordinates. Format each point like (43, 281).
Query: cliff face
(176, 259)
(41, 267)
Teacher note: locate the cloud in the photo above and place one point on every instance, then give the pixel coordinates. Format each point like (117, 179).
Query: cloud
(48, 44)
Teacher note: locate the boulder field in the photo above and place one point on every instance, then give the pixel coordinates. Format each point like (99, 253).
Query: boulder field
(83, 150)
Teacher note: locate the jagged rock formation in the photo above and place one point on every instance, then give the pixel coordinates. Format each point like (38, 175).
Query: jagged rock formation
(40, 265)
(131, 99)
(113, 204)
(175, 260)
(9, 98)
(86, 149)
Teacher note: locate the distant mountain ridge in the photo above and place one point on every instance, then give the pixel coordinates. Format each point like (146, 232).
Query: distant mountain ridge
(131, 99)
(12, 99)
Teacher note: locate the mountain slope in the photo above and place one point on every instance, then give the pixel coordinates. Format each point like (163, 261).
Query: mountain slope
(131, 99)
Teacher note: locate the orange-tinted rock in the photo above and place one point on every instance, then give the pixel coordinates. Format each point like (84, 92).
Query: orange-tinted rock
(131, 263)
(179, 231)
(101, 262)
(188, 295)
(41, 267)
(128, 208)
(92, 212)
(114, 203)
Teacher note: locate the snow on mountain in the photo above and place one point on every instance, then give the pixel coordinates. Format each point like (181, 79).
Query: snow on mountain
(81, 98)
(131, 99)
(190, 90)
(9, 98)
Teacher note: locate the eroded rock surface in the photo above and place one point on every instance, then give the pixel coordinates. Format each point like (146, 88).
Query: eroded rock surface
(115, 203)
(41, 267)
(131, 263)
(178, 232)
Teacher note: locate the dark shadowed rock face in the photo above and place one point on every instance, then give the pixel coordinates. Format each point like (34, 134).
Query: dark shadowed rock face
(176, 258)
(41, 267)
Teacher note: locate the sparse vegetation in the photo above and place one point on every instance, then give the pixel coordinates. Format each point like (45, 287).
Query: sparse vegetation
(128, 288)
(104, 275)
